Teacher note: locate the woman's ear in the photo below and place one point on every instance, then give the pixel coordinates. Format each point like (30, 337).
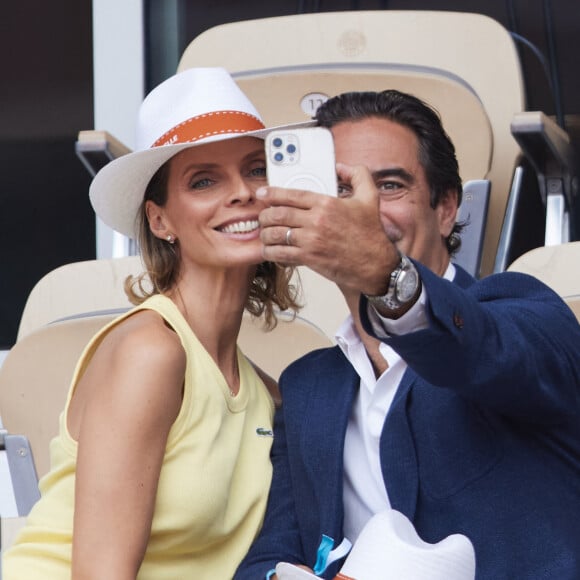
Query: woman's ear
(447, 212)
(157, 220)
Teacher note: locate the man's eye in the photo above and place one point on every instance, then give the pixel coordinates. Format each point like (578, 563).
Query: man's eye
(343, 190)
(388, 186)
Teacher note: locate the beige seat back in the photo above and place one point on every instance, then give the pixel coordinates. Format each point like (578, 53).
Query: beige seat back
(9, 528)
(35, 377)
(78, 288)
(464, 64)
(97, 285)
(557, 266)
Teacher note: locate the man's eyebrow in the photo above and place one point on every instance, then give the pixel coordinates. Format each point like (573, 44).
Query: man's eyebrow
(393, 172)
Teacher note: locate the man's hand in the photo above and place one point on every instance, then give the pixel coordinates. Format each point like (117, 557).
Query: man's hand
(340, 238)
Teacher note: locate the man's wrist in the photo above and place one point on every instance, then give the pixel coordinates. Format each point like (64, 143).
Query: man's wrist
(403, 290)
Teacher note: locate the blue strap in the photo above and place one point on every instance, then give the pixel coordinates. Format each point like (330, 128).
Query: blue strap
(324, 549)
(325, 555)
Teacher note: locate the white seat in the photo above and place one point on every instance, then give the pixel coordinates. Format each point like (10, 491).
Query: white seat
(35, 378)
(78, 288)
(9, 527)
(557, 266)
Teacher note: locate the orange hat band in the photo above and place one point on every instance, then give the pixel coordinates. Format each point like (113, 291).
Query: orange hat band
(209, 124)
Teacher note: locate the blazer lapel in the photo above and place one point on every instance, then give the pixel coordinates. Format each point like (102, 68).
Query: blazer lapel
(397, 451)
(326, 416)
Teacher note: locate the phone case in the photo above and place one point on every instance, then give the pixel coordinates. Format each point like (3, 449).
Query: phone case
(302, 159)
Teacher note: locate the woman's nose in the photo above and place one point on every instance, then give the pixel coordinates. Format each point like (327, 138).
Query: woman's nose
(242, 192)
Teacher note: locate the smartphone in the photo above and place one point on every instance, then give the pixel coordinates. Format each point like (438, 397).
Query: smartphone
(302, 158)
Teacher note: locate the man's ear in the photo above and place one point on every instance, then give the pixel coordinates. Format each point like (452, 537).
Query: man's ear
(157, 219)
(447, 209)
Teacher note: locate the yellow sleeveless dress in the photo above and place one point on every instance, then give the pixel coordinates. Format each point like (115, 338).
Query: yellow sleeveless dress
(213, 485)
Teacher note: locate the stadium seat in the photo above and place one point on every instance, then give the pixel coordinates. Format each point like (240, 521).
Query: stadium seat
(558, 266)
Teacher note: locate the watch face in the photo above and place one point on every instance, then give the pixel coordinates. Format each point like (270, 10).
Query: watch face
(403, 285)
(407, 284)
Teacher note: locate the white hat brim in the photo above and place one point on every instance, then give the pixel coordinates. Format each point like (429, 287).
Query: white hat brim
(390, 547)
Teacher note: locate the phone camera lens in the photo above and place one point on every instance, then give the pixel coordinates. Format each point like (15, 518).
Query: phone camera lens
(291, 148)
(277, 142)
(278, 157)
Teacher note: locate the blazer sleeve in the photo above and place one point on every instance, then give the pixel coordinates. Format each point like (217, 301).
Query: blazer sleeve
(506, 342)
(279, 539)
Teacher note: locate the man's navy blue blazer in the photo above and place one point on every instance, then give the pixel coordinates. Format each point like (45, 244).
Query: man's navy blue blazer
(482, 438)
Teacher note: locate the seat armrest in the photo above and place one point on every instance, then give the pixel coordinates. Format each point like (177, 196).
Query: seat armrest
(547, 146)
(548, 149)
(18, 475)
(96, 148)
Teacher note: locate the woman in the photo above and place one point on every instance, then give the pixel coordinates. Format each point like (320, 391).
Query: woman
(158, 467)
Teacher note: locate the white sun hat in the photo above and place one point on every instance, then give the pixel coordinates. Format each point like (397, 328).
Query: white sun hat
(194, 107)
(389, 548)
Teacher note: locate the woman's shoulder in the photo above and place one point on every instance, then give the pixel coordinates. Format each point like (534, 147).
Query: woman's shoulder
(139, 365)
(145, 338)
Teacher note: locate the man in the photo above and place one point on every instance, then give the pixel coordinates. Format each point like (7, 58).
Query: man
(451, 400)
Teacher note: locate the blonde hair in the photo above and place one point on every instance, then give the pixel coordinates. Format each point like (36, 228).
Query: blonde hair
(269, 288)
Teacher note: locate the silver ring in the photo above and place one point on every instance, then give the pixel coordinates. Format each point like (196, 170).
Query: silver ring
(289, 237)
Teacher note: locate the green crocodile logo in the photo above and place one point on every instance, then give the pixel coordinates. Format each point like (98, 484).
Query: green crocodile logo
(264, 432)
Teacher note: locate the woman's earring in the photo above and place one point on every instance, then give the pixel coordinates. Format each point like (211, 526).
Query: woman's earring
(170, 239)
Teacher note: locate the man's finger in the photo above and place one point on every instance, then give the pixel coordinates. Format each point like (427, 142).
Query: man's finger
(281, 215)
(275, 196)
(282, 254)
(279, 236)
(360, 180)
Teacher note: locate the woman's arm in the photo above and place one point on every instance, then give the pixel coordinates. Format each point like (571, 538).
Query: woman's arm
(128, 399)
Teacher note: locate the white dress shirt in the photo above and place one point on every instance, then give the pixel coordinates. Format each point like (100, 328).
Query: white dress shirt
(364, 492)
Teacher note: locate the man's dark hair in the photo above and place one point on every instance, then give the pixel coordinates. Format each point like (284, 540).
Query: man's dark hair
(436, 151)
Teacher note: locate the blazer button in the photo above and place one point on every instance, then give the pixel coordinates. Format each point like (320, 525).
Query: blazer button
(458, 320)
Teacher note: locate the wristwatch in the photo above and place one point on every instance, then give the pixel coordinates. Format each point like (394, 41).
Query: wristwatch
(404, 286)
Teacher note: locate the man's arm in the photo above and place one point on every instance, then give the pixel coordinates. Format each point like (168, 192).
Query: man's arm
(507, 342)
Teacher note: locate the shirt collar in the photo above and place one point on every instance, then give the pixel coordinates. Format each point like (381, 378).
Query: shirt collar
(346, 336)
(450, 272)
